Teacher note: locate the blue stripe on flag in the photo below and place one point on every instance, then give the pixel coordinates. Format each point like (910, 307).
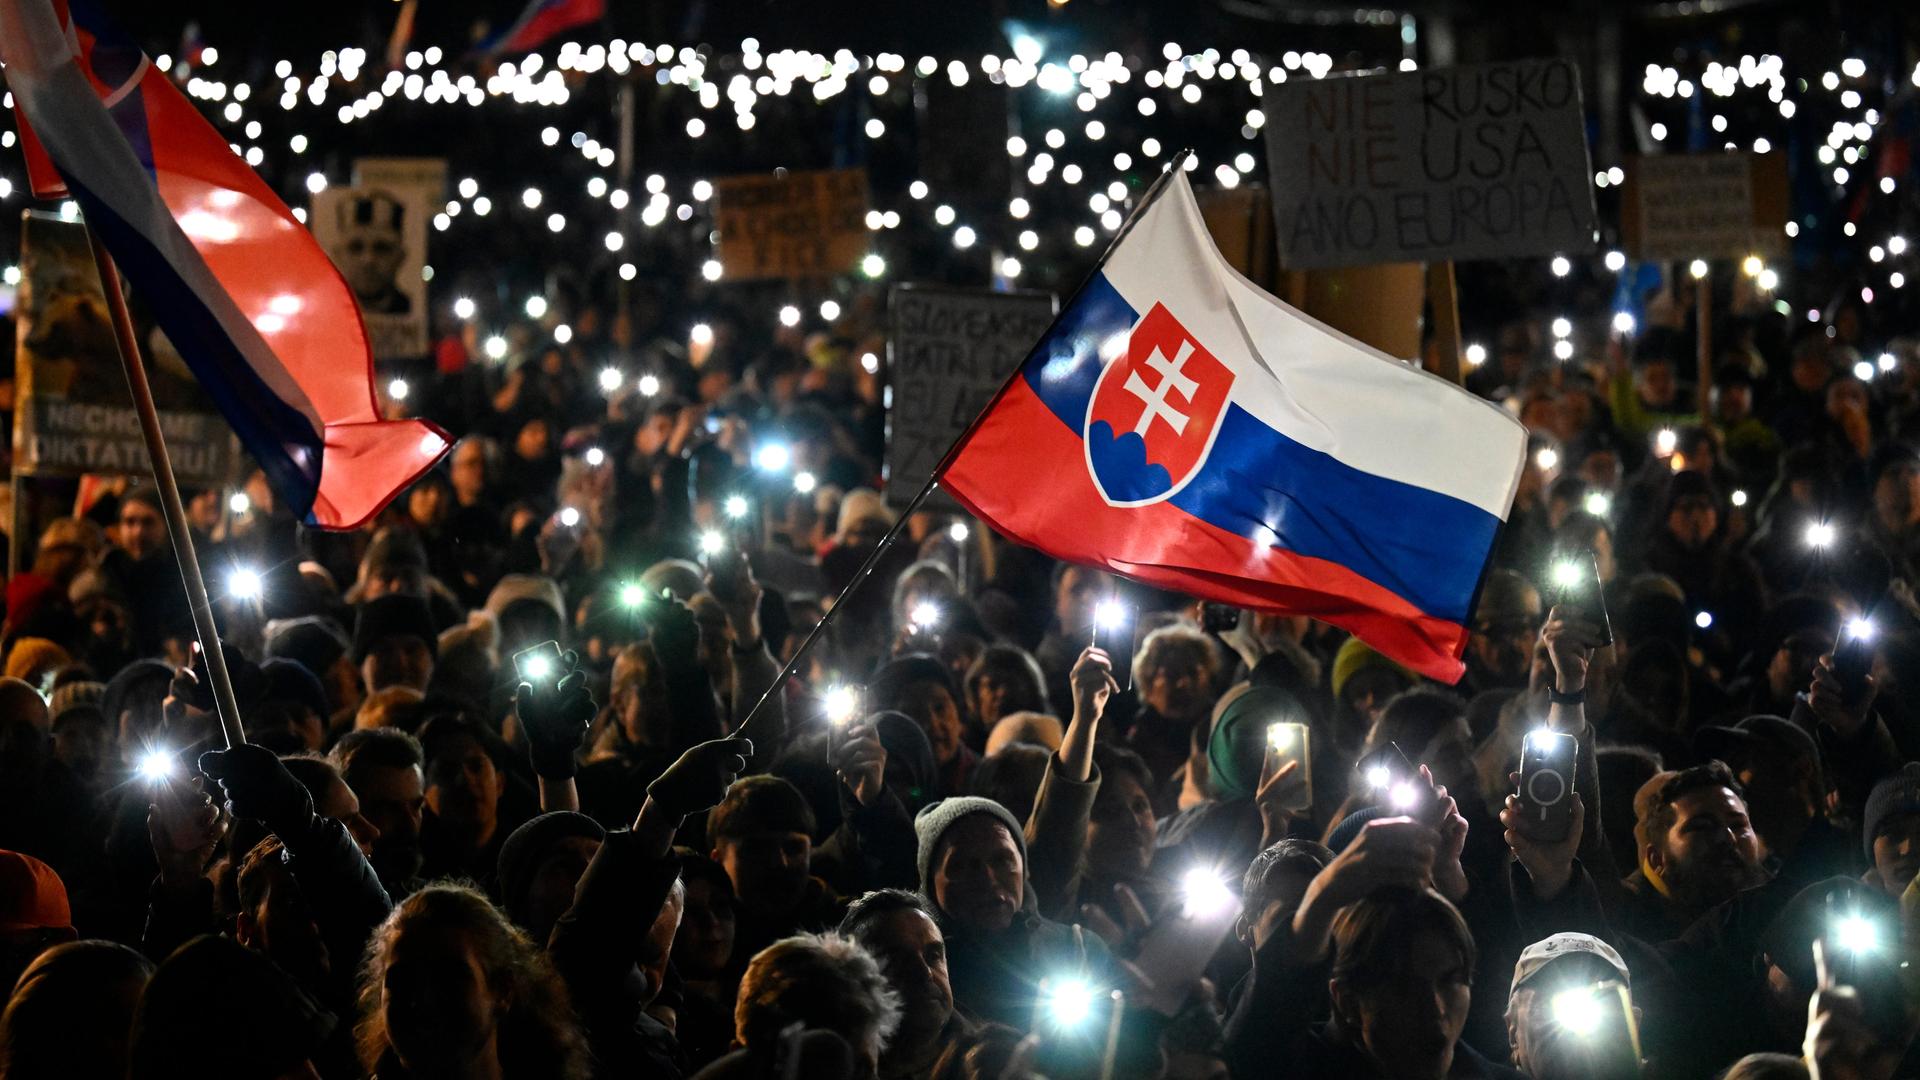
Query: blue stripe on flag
(1426, 546)
(280, 438)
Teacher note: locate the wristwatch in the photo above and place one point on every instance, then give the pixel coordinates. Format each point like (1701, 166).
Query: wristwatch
(1560, 697)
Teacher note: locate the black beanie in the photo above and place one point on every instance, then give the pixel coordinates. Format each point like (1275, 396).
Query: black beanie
(521, 854)
(397, 615)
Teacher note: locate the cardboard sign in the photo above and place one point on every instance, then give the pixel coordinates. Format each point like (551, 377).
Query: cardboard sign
(1704, 206)
(75, 414)
(791, 224)
(950, 350)
(1480, 162)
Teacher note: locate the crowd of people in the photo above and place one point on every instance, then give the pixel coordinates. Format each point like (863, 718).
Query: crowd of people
(523, 795)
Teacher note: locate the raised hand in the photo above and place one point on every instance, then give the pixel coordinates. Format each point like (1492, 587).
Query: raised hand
(1093, 682)
(1828, 699)
(258, 786)
(700, 778)
(861, 762)
(1548, 863)
(555, 720)
(1276, 785)
(184, 827)
(1388, 853)
(1570, 641)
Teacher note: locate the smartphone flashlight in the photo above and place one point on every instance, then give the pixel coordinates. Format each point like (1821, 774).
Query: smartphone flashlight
(772, 457)
(539, 663)
(537, 667)
(1860, 628)
(842, 703)
(1819, 534)
(595, 457)
(1379, 777)
(712, 543)
(244, 583)
(632, 594)
(1665, 442)
(1856, 934)
(155, 766)
(735, 507)
(1068, 1002)
(1404, 796)
(1578, 1010)
(924, 616)
(1598, 504)
(569, 517)
(1203, 894)
(1567, 574)
(805, 482)
(959, 532)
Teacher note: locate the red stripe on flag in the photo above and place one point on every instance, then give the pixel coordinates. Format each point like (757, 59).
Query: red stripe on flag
(1024, 473)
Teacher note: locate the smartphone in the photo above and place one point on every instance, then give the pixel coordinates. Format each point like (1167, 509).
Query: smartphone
(1286, 742)
(539, 665)
(1219, 618)
(1853, 658)
(1546, 785)
(1396, 783)
(1175, 950)
(1578, 589)
(1609, 1049)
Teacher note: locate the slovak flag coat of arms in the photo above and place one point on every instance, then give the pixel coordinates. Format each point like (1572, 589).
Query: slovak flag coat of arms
(1181, 427)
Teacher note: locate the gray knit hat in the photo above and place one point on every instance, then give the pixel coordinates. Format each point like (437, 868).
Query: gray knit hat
(935, 819)
(1893, 796)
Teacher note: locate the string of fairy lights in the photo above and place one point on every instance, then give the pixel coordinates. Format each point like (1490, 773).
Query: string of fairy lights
(1088, 131)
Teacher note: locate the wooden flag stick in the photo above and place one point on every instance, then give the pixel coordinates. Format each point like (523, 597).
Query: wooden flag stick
(1446, 321)
(226, 709)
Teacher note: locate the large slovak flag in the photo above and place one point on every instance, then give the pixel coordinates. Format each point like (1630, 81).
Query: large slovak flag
(540, 21)
(1183, 428)
(248, 298)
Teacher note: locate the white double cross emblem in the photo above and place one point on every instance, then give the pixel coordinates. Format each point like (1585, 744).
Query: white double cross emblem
(1172, 380)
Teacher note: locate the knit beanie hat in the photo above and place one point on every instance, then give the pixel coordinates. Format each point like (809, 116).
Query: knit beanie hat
(1356, 656)
(521, 854)
(73, 697)
(314, 640)
(933, 822)
(1893, 796)
(1236, 752)
(394, 615)
(537, 588)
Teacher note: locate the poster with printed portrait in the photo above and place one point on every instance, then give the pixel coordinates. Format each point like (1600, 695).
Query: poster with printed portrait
(376, 233)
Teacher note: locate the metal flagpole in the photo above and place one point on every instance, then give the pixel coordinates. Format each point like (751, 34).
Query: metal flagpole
(933, 478)
(226, 709)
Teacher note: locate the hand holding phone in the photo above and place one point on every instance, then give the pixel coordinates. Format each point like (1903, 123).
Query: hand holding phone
(540, 666)
(1853, 659)
(1545, 796)
(1579, 593)
(1291, 744)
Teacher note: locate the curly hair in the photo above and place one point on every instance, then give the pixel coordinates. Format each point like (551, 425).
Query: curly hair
(538, 1035)
(821, 980)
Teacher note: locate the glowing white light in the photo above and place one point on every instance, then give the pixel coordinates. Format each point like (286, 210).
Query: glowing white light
(1616, 261)
(1562, 327)
(958, 532)
(1567, 574)
(649, 385)
(1403, 796)
(398, 389)
(155, 766)
(1819, 534)
(805, 482)
(1739, 497)
(773, 457)
(495, 347)
(1623, 322)
(829, 310)
(1561, 266)
(1665, 441)
(873, 266)
(1860, 628)
(711, 270)
(316, 182)
(244, 584)
(610, 379)
(569, 517)
(1069, 1003)
(1863, 370)
(1703, 620)
(1598, 504)
(711, 543)
(735, 506)
(963, 237)
(701, 334)
(842, 703)
(530, 198)
(1379, 777)
(1856, 934)
(537, 667)
(463, 308)
(536, 307)
(1547, 458)
(1476, 355)
(595, 457)
(789, 316)
(239, 503)
(1110, 614)
(1698, 268)
(1578, 1010)
(1203, 894)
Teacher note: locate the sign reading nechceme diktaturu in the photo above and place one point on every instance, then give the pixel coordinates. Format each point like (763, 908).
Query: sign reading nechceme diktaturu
(951, 349)
(1476, 162)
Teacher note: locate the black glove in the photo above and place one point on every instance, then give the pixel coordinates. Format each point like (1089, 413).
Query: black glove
(701, 777)
(258, 786)
(555, 720)
(674, 633)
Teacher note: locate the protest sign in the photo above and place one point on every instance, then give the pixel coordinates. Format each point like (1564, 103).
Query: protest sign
(791, 224)
(75, 414)
(1477, 162)
(1704, 206)
(950, 349)
(376, 233)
